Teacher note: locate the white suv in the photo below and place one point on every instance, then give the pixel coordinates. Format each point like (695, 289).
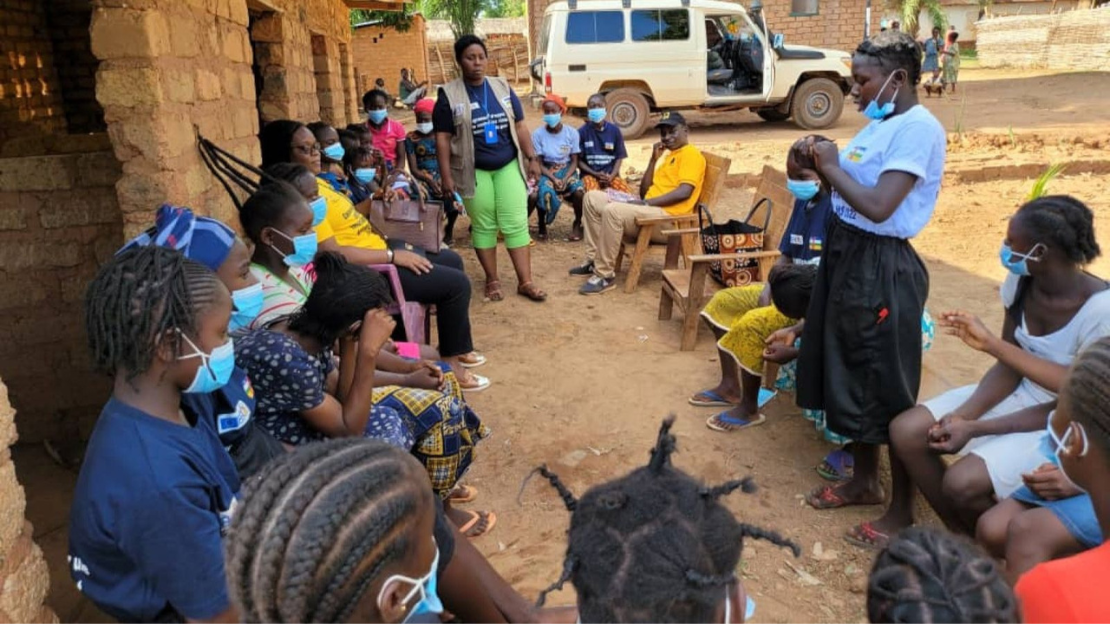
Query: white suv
(651, 55)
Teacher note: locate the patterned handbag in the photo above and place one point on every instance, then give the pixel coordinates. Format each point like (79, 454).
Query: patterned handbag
(733, 237)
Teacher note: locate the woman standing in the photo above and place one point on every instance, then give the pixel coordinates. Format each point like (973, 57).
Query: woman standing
(933, 46)
(860, 357)
(480, 137)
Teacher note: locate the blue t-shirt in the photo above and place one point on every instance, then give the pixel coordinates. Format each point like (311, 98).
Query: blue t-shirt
(804, 239)
(152, 503)
(601, 149)
(555, 148)
(484, 108)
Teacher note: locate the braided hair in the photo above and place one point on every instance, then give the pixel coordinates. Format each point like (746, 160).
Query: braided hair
(320, 526)
(139, 298)
(791, 288)
(266, 207)
(1062, 222)
(928, 575)
(655, 545)
(801, 152)
(894, 50)
(341, 296)
(1088, 390)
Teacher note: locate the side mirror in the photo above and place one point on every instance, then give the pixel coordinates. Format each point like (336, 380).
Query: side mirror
(776, 43)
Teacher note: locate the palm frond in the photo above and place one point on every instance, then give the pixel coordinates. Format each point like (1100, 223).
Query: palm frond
(1040, 187)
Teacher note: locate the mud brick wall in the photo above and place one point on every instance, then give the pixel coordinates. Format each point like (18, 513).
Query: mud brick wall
(59, 220)
(24, 579)
(382, 53)
(75, 63)
(1074, 40)
(30, 97)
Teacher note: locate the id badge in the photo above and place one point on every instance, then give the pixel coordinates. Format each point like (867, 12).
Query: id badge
(490, 131)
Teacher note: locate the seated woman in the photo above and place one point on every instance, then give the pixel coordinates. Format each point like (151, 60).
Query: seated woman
(424, 165)
(434, 279)
(216, 246)
(1054, 309)
(557, 146)
(742, 318)
(302, 398)
(603, 152)
(331, 155)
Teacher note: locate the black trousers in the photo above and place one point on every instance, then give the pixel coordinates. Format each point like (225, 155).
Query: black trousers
(447, 288)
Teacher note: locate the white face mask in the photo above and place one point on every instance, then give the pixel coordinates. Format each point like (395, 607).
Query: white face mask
(424, 128)
(1060, 443)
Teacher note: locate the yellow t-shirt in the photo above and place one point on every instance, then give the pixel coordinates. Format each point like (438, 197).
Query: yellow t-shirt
(346, 224)
(685, 165)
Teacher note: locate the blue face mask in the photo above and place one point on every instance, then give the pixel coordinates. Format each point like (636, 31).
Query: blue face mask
(334, 152)
(1051, 445)
(1018, 263)
(596, 115)
(319, 208)
(424, 587)
(365, 175)
(377, 116)
(879, 113)
(553, 120)
(304, 249)
(215, 368)
(804, 190)
(248, 305)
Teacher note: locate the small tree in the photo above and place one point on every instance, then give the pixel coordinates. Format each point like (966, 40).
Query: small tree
(400, 21)
(910, 9)
(460, 13)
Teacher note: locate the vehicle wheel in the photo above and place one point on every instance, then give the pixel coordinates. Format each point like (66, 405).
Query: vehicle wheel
(629, 110)
(817, 104)
(772, 114)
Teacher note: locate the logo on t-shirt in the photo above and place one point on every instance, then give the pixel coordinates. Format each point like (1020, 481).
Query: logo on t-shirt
(815, 244)
(248, 389)
(797, 239)
(856, 154)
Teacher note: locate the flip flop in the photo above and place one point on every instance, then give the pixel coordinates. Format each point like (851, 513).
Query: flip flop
(715, 400)
(478, 516)
(866, 536)
(463, 494)
(475, 359)
(837, 466)
(728, 424)
(480, 384)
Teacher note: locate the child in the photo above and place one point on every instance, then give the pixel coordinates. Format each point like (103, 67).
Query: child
(331, 155)
(362, 133)
(927, 575)
(366, 170)
(157, 489)
(951, 61)
(557, 146)
(657, 546)
(420, 145)
(603, 151)
(932, 47)
(1073, 589)
(388, 134)
(338, 531)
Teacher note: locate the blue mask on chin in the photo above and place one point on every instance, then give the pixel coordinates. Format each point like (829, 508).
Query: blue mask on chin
(804, 190)
(247, 306)
(876, 112)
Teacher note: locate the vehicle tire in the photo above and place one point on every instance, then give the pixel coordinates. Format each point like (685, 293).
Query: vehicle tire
(772, 114)
(629, 110)
(817, 103)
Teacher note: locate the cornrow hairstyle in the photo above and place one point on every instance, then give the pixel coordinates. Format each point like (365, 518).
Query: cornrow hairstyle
(320, 526)
(368, 97)
(1062, 222)
(801, 154)
(791, 288)
(230, 170)
(267, 206)
(465, 42)
(137, 299)
(1088, 390)
(927, 575)
(894, 50)
(341, 296)
(655, 545)
(276, 139)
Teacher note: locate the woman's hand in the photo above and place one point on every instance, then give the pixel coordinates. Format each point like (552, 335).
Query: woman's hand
(427, 376)
(1050, 483)
(950, 434)
(447, 184)
(377, 327)
(825, 155)
(786, 336)
(970, 329)
(414, 262)
(780, 353)
(437, 188)
(534, 169)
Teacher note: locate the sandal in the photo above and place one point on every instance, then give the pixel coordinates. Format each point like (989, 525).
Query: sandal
(462, 494)
(480, 523)
(493, 290)
(575, 234)
(709, 398)
(837, 466)
(472, 359)
(529, 290)
(827, 497)
(727, 424)
(477, 384)
(865, 535)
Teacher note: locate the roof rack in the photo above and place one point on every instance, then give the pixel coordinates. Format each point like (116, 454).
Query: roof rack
(627, 4)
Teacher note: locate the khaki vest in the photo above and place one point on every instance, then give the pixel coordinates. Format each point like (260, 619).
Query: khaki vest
(462, 143)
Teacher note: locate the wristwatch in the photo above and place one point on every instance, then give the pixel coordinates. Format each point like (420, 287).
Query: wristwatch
(389, 254)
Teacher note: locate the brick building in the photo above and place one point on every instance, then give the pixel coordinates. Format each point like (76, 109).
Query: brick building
(381, 52)
(100, 105)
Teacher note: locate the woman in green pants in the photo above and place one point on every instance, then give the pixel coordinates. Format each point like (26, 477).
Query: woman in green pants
(482, 143)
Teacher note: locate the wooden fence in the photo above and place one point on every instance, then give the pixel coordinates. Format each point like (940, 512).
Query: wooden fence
(508, 58)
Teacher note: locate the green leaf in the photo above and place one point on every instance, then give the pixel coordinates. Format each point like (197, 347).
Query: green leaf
(1040, 187)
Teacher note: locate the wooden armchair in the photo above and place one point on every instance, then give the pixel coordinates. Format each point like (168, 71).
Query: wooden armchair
(651, 228)
(689, 289)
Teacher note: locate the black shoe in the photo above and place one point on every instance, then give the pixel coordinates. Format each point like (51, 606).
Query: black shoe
(584, 270)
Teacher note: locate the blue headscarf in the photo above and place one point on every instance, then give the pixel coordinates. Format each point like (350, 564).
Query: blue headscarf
(202, 239)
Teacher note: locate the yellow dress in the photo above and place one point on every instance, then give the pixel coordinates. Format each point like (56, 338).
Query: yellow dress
(747, 325)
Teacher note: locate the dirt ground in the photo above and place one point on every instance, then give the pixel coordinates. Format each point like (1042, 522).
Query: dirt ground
(582, 383)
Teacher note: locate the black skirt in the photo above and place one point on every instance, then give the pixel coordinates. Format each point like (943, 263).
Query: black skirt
(860, 357)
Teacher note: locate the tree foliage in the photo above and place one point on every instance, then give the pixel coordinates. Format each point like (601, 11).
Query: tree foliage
(400, 21)
(910, 9)
(460, 13)
(504, 8)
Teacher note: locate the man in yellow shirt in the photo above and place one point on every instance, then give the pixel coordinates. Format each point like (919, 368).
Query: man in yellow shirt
(670, 187)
